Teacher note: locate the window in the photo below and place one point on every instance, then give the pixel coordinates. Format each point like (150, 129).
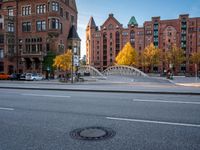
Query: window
(41, 25)
(155, 33)
(55, 6)
(26, 26)
(1, 53)
(124, 33)
(1, 39)
(41, 9)
(132, 37)
(110, 27)
(10, 11)
(26, 10)
(67, 15)
(148, 32)
(72, 19)
(117, 40)
(67, 2)
(1, 25)
(61, 12)
(10, 27)
(61, 28)
(55, 24)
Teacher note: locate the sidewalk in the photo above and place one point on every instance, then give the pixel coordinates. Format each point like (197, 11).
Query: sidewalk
(186, 81)
(125, 86)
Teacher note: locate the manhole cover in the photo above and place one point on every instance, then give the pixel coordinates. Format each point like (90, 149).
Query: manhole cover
(92, 133)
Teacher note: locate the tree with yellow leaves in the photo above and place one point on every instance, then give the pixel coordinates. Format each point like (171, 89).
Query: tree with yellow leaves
(195, 58)
(176, 57)
(127, 56)
(63, 62)
(151, 56)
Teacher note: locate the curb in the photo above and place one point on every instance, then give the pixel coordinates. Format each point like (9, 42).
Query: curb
(105, 91)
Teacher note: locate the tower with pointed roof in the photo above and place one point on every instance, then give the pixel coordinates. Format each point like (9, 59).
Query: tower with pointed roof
(91, 28)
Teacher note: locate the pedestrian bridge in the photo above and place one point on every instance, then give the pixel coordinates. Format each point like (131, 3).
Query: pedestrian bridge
(87, 69)
(124, 71)
(113, 70)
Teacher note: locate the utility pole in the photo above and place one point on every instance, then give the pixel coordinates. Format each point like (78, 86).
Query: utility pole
(72, 65)
(17, 39)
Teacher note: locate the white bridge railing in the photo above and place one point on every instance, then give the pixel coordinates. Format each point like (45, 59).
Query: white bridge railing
(113, 70)
(124, 71)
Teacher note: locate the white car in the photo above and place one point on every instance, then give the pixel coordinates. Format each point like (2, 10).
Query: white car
(34, 77)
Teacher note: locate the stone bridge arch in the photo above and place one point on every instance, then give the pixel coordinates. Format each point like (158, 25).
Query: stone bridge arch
(124, 71)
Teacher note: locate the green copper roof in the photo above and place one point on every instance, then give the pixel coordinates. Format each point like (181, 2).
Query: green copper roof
(133, 21)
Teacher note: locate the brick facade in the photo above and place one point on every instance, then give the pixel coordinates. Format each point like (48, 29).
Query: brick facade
(103, 45)
(40, 26)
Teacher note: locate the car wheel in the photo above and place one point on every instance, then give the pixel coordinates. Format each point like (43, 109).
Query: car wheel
(34, 79)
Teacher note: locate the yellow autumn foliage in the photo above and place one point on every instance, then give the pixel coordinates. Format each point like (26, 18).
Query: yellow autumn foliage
(63, 62)
(151, 55)
(195, 57)
(127, 56)
(176, 56)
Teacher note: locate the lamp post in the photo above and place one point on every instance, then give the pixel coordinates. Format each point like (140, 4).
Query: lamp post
(16, 38)
(72, 76)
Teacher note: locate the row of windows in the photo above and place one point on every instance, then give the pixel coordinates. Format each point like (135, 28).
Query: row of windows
(33, 48)
(40, 9)
(33, 40)
(41, 25)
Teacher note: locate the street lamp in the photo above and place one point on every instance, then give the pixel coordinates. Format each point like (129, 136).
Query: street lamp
(72, 65)
(16, 38)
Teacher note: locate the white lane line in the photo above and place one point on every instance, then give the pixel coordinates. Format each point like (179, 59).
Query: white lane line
(155, 122)
(40, 95)
(163, 101)
(9, 109)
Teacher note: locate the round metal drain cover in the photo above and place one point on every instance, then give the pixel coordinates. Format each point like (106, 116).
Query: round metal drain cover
(92, 133)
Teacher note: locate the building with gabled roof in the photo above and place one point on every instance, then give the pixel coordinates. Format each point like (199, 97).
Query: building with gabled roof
(32, 29)
(103, 45)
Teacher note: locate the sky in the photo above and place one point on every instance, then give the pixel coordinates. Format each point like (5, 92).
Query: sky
(123, 10)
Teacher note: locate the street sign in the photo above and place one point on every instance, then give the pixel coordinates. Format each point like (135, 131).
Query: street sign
(76, 60)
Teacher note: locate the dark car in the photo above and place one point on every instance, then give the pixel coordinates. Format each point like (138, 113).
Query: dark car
(15, 76)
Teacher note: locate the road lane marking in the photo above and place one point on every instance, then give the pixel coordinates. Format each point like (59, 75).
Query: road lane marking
(9, 109)
(155, 122)
(163, 101)
(40, 95)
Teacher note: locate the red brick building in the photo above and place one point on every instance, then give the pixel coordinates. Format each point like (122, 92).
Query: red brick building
(29, 29)
(104, 43)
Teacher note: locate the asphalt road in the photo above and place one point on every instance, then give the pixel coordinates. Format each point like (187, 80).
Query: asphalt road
(43, 120)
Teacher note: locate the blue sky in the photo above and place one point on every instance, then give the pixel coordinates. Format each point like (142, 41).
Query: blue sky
(143, 10)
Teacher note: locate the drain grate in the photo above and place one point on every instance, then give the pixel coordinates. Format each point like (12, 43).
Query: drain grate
(92, 133)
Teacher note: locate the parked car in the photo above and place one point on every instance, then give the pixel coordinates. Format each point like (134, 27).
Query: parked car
(4, 76)
(15, 76)
(23, 76)
(33, 77)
